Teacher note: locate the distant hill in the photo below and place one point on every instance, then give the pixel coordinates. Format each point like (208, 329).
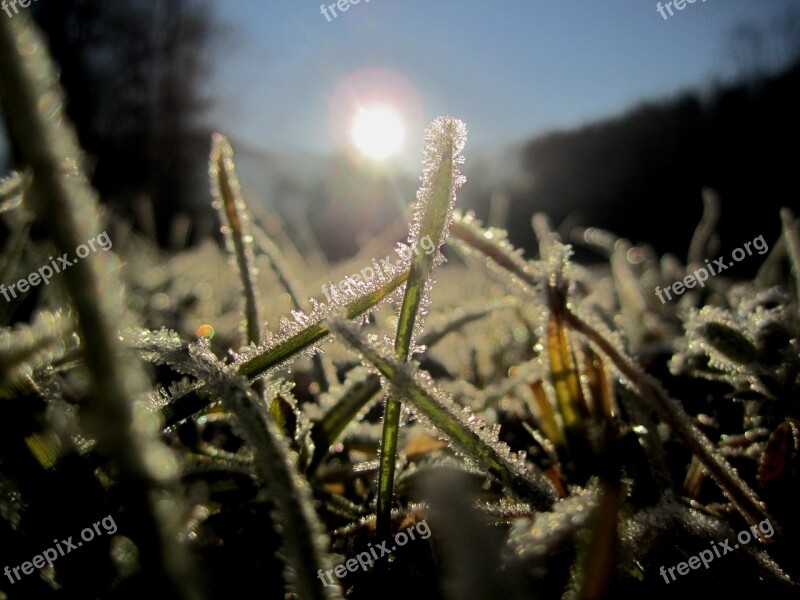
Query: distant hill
(641, 174)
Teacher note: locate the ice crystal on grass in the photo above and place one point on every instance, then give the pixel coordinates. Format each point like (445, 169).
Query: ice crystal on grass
(302, 430)
(11, 191)
(504, 511)
(164, 347)
(712, 333)
(160, 398)
(25, 348)
(445, 139)
(548, 533)
(441, 178)
(750, 346)
(343, 407)
(353, 303)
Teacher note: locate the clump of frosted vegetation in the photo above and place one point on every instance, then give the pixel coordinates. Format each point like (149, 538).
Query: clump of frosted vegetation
(561, 431)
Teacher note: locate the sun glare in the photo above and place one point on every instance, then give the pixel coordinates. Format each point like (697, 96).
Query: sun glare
(377, 131)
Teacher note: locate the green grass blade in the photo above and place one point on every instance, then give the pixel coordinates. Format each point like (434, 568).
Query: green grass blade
(444, 139)
(566, 385)
(227, 195)
(303, 340)
(33, 105)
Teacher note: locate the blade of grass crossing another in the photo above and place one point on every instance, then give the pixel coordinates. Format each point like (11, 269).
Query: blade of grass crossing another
(472, 439)
(444, 141)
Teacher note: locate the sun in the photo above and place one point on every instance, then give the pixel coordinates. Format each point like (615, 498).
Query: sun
(377, 131)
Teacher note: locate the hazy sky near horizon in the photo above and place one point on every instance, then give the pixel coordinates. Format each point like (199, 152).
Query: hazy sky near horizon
(285, 76)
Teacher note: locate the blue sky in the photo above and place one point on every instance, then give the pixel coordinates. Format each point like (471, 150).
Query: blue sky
(510, 69)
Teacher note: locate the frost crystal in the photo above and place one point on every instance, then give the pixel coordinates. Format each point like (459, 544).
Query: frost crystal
(534, 540)
(493, 243)
(445, 138)
(25, 348)
(341, 302)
